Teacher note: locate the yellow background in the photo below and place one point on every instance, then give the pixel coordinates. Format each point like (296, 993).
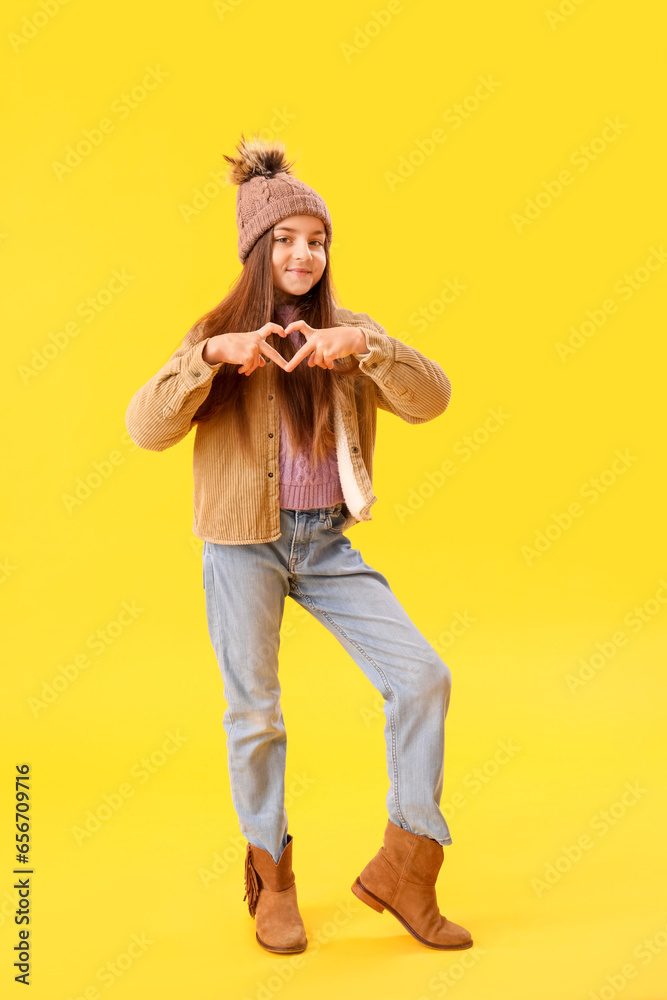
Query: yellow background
(351, 101)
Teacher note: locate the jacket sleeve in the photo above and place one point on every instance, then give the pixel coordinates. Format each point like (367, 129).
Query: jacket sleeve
(160, 413)
(407, 383)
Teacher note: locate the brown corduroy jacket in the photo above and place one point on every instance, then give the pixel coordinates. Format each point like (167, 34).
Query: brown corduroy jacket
(238, 503)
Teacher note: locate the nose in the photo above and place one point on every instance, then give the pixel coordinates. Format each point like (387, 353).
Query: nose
(302, 250)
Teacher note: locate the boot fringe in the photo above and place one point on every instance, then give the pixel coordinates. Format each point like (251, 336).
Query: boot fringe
(251, 883)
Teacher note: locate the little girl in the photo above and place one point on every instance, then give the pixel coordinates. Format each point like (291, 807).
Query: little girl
(284, 387)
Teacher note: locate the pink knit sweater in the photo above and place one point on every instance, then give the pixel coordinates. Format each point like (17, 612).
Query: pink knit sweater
(303, 486)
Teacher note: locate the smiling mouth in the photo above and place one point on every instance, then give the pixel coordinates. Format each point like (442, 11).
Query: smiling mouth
(298, 270)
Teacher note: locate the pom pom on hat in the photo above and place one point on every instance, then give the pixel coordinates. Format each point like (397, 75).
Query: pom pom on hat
(257, 158)
(268, 192)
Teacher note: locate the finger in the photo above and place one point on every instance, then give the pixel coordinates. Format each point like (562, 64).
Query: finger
(299, 324)
(273, 328)
(302, 353)
(317, 359)
(325, 357)
(272, 353)
(248, 366)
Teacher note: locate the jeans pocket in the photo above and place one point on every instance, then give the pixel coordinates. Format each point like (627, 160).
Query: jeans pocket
(337, 519)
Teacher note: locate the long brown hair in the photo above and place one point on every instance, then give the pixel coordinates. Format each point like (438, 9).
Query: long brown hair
(306, 394)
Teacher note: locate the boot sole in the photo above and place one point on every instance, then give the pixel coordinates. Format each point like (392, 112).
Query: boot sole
(367, 897)
(281, 951)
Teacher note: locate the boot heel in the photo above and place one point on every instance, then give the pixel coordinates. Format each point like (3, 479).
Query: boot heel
(365, 897)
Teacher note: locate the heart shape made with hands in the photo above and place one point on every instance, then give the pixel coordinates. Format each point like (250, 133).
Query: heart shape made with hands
(322, 347)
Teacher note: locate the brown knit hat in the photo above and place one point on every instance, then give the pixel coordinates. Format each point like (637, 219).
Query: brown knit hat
(268, 192)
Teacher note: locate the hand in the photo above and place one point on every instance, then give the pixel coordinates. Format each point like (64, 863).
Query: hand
(245, 349)
(324, 346)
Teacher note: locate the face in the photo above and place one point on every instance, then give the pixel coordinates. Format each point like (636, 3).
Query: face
(298, 255)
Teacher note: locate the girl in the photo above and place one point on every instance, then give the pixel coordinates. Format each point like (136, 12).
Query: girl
(282, 469)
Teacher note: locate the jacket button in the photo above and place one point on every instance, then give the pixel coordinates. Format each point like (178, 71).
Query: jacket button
(270, 397)
(270, 435)
(374, 365)
(354, 448)
(270, 474)
(196, 374)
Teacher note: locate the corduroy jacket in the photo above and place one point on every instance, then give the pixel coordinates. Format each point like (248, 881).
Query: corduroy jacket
(238, 503)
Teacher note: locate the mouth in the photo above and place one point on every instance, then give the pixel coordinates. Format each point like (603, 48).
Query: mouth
(297, 270)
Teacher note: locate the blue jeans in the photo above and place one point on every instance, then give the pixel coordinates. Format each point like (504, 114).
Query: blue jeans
(314, 563)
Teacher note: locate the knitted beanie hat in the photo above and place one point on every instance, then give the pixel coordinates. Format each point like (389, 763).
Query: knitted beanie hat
(268, 192)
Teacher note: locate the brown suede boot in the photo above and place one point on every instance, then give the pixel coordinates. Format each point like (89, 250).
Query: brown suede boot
(401, 878)
(271, 893)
